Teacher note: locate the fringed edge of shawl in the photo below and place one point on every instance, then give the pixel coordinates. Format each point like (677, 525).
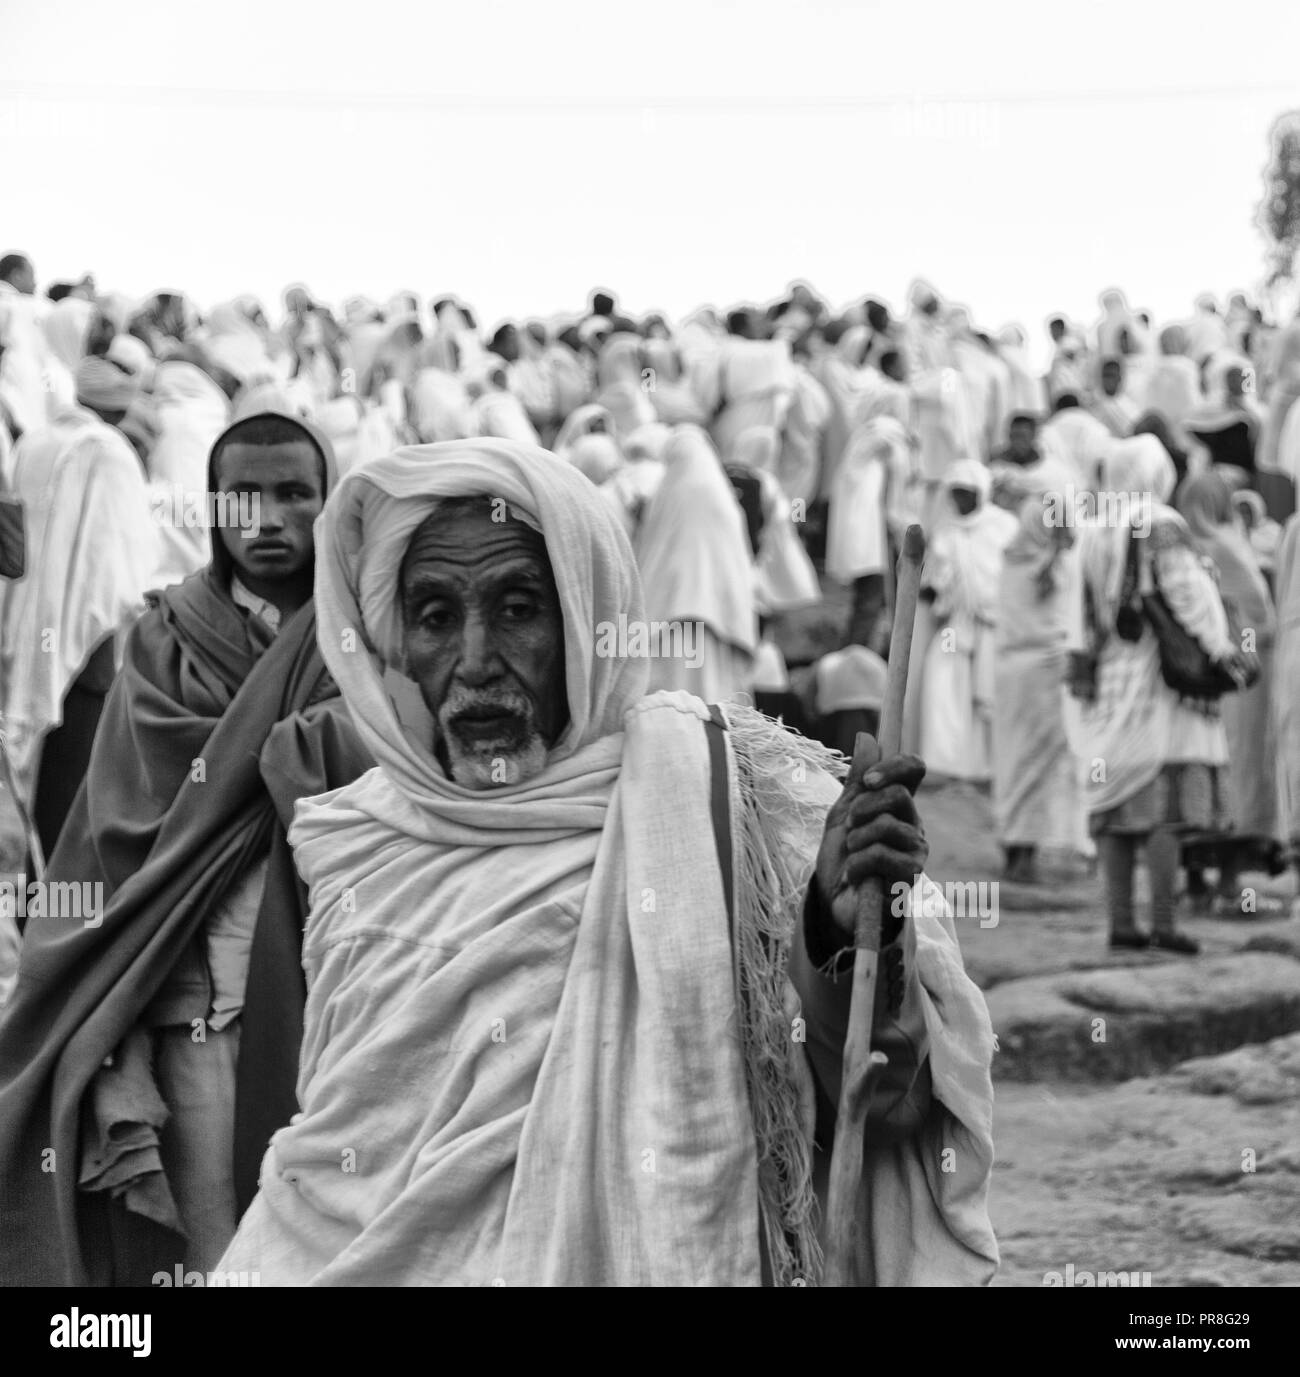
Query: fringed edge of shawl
(769, 892)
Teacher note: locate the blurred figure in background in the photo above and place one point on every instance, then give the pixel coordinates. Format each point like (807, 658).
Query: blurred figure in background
(1035, 777)
(1112, 403)
(963, 565)
(23, 351)
(1205, 503)
(696, 567)
(1153, 762)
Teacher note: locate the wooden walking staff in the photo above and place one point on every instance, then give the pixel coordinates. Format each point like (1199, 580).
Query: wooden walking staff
(862, 1066)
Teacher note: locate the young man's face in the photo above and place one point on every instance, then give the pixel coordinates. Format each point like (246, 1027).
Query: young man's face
(484, 640)
(284, 495)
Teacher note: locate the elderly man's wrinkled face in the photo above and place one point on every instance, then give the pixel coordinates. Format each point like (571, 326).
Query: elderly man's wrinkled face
(484, 640)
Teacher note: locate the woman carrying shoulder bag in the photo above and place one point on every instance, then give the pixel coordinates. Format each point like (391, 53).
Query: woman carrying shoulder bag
(1153, 757)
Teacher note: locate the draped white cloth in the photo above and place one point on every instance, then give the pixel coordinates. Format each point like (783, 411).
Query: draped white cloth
(758, 385)
(357, 431)
(1284, 392)
(1079, 440)
(1173, 388)
(963, 566)
(943, 422)
(66, 326)
(191, 411)
(1286, 705)
(440, 407)
(92, 551)
(1136, 724)
(24, 363)
(234, 342)
(501, 415)
(596, 457)
(1037, 794)
(585, 420)
(874, 475)
(800, 463)
(784, 576)
(695, 562)
(1025, 391)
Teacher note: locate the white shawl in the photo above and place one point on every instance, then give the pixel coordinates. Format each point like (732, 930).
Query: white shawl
(92, 549)
(692, 548)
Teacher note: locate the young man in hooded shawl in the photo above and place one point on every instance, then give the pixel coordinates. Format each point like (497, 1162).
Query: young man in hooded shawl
(566, 1019)
(149, 1053)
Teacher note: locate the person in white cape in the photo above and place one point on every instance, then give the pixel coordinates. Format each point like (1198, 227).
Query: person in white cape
(93, 549)
(576, 1001)
(960, 580)
(698, 573)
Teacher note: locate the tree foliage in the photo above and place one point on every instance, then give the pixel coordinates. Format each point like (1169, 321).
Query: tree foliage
(1279, 209)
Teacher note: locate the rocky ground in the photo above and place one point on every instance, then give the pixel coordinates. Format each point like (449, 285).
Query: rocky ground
(1164, 1139)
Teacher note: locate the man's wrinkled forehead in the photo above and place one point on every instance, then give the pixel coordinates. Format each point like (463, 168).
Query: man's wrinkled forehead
(469, 534)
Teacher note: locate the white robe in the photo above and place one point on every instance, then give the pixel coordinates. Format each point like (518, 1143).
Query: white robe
(92, 552)
(963, 565)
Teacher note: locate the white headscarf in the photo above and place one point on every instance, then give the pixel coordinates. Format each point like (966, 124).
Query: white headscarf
(596, 457)
(92, 549)
(648, 442)
(1139, 464)
(1134, 471)
(361, 539)
(757, 449)
(969, 473)
(67, 328)
(579, 423)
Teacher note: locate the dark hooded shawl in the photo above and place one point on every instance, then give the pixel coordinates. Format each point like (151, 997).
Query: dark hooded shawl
(201, 680)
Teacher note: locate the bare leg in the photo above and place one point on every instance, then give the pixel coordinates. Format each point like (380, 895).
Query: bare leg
(1116, 855)
(1162, 865)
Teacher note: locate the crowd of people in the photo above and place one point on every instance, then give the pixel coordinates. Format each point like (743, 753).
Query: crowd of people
(206, 517)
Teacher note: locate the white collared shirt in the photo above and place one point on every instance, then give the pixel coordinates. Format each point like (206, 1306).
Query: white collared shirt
(244, 597)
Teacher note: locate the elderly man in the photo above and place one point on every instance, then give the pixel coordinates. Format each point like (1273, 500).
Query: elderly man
(553, 1034)
(149, 1053)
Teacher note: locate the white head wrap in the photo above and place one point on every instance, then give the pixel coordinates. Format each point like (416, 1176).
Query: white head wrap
(361, 539)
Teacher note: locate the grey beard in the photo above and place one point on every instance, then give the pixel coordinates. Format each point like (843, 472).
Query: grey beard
(517, 754)
(485, 765)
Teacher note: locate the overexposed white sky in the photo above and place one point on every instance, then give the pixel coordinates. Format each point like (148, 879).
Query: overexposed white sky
(1020, 155)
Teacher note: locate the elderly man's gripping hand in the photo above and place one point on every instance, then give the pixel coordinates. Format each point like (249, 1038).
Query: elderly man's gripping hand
(872, 829)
